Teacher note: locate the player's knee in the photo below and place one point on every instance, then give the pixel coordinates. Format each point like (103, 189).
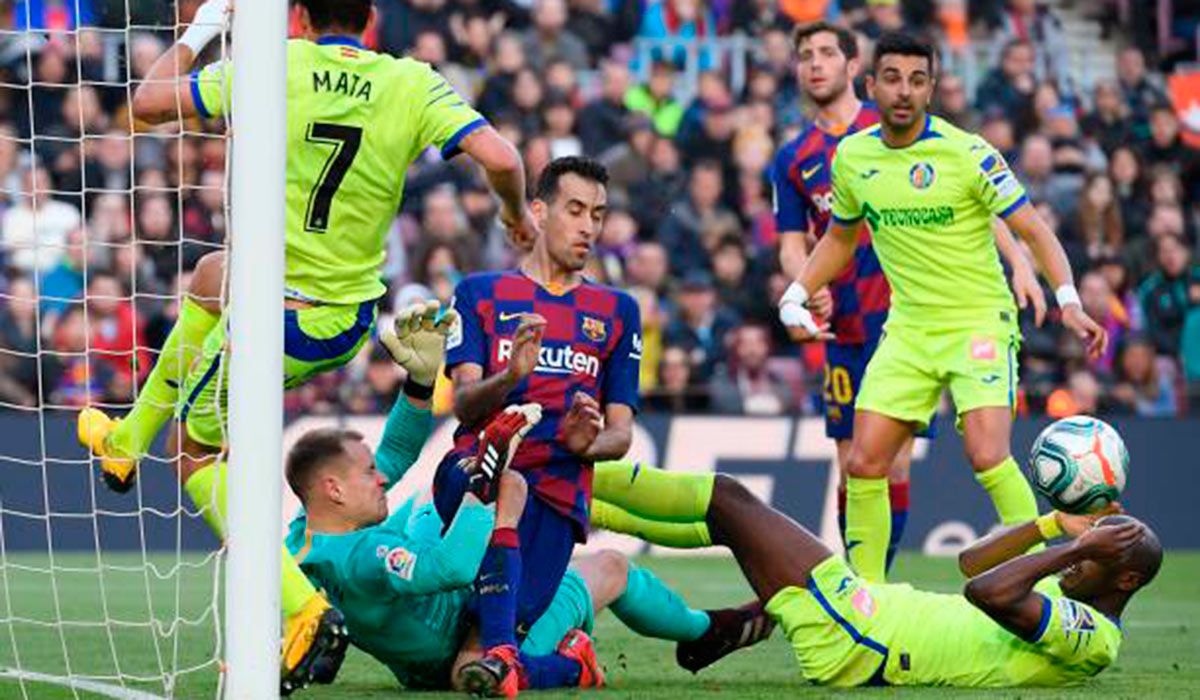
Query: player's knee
(860, 465)
(207, 279)
(613, 567)
(730, 491)
(984, 456)
(513, 486)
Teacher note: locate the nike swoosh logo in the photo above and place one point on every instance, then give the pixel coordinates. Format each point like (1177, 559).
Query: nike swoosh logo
(811, 171)
(506, 316)
(867, 175)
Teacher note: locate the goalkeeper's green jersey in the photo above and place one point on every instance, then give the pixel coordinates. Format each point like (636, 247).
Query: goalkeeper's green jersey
(356, 120)
(929, 207)
(404, 585)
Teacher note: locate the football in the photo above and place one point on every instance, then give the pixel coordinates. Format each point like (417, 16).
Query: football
(1079, 464)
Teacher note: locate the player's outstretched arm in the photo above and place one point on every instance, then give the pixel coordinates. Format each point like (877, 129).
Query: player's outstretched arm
(1009, 542)
(1052, 259)
(506, 174)
(1024, 279)
(162, 97)
(1005, 593)
(829, 257)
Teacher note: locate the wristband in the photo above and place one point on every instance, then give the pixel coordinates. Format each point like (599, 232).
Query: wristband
(1048, 525)
(415, 390)
(1067, 294)
(795, 294)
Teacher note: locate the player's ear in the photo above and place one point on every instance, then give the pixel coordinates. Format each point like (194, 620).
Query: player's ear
(302, 21)
(372, 19)
(1129, 581)
(853, 66)
(870, 82)
(539, 209)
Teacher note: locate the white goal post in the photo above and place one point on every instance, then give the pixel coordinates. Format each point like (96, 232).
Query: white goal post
(259, 130)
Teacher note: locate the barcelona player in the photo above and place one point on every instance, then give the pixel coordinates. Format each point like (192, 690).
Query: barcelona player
(857, 299)
(1049, 618)
(356, 119)
(928, 192)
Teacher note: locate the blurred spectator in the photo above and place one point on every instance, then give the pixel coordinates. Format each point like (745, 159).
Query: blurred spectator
(558, 119)
(1106, 309)
(697, 221)
(653, 317)
(662, 185)
(596, 27)
(1125, 169)
(648, 267)
(507, 59)
(1145, 389)
(1035, 168)
(1169, 294)
(676, 392)
(83, 379)
(656, 99)
(34, 230)
(1081, 396)
(19, 340)
(1100, 225)
(745, 384)
(602, 122)
(1108, 124)
(549, 39)
(618, 239)
(62, 285)
(685, 20)
(1166, 148)
(882, 16)
(1034, 22)
(1140, 93)
(1008, 89)
(401, 21)
(730, 267)
(116, 334)
(953, 105)
(52, 16)
(701, 324)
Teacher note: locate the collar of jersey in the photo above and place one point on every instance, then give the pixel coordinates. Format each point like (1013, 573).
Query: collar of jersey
(339, 40)
(927, 133)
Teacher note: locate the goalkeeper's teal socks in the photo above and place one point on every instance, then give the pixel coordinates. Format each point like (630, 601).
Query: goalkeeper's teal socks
(868, 526)
(1010, 491)
(155, 404)
(206, 487)
(651, 609)
(606, 516)
(653, 493)
(570, 609)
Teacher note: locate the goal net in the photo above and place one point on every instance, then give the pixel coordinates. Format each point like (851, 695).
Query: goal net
(101, 221)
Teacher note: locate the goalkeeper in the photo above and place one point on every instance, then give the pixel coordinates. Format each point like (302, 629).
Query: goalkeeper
(404, 581)
(928, 192)
(356, 120)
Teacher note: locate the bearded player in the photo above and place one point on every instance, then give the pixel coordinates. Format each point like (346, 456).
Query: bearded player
(928, 192)
(356, 119)
(856, 301)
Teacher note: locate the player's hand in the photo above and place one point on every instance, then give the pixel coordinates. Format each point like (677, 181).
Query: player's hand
(498, 443)
(1075, 525)
(821, 304)
(798, 319)
(1029, 291)
(210, 20)
(527, 343)
(1090, 332)
(417, 340)
(582, 424)
(521, 229)
(1109, 542)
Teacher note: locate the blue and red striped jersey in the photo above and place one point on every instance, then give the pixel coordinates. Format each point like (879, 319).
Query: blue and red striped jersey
(592, 343)
(804, 197)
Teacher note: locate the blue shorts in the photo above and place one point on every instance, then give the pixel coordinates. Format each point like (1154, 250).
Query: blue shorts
(844, 368)
(547, 541)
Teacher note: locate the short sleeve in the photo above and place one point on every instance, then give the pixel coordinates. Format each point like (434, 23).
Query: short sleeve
(445, 118)
(624, 365)
(1075, 633)
(995, 184)
(791, 206)
(466, 342)
(846, 207)
(211, 88)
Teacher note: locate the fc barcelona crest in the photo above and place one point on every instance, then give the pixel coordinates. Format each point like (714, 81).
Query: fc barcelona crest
(594, 329)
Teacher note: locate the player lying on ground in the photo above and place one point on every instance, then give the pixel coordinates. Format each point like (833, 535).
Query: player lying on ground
(405, 582)
(856, 301)
(356, 120)
(1016, 623)
(929, 192)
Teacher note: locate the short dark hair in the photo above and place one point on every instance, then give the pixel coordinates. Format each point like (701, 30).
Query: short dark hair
(902, 44)
(312, 451)
(349, 15)
(586, 168)
(845, 38)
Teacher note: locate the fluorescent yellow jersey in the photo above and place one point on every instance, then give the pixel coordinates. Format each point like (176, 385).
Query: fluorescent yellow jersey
(847, 632)
(929, 206)
(356, 121)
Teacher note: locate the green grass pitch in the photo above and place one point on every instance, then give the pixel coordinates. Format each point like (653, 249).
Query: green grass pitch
(1160, 658)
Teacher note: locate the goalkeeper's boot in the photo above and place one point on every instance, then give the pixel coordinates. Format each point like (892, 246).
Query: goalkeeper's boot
(578, 645)
(728, 630)
(314, 646)
(497, 674)
(498, 442)
(92, 430)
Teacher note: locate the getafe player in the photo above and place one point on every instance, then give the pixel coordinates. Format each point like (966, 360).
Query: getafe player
(356, 119)
(1017, 623)
(546, 334)
(928, 192)
(857, 300)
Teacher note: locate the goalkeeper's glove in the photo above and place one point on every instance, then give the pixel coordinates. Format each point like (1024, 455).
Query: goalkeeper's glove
(793, 311)
(417, 341)
(498, 443)
(208, 23)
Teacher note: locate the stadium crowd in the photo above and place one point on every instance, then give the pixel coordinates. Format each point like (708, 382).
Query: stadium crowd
(94, 262)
